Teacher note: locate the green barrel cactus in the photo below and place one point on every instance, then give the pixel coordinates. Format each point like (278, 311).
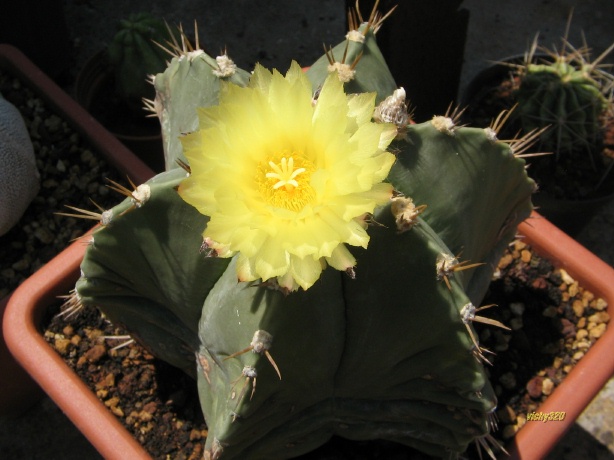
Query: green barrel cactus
(566, 93)
(381, 344)
(135, 53)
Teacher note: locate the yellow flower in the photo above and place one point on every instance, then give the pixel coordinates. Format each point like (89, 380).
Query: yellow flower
(287, 183)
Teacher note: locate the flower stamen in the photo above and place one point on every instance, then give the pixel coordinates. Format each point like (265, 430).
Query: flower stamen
(286, 174)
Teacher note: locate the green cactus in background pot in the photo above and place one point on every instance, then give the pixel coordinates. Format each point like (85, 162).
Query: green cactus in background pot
(135, 54)
(566, 92)
(303, 262)
(564, 99)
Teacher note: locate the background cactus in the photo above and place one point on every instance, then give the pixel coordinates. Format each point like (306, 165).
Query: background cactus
(564, 98)
(389, 355)
(567, 92)
(134, 55)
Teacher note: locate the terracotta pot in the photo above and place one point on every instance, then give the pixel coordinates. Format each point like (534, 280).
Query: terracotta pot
(31, 301)
(94, 90)
(569, 215)
(19, 391)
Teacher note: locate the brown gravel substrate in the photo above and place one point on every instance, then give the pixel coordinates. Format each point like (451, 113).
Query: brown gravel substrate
(71, 174)
(156, 402)
(553, 322)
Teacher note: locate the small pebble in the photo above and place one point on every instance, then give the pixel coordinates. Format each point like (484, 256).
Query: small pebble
(547, 386)
(568, 367)
(597, 331)
(534, 387)
(62, 345)
(578, 308)
(565, 277)
(581, 334)
(195, 435)
(599, 304)
(95, 353)
(517, 308)
(599, 317)
(568, 329)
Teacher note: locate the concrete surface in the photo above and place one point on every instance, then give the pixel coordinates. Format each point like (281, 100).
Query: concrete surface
(275, 31)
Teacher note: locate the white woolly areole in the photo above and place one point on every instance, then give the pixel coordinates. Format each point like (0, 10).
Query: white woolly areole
(141, 195)
(106, 217)
(468, 313)
(344, 71)
(355, 36)
(261, 341)
(226, 67)
(491, 134)
(399, 95)
(191, 55)
(250, 372)
(393, 109)
(443, 124)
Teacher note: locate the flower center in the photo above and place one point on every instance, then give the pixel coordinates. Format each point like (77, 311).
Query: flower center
(283, 180)
(285, 174)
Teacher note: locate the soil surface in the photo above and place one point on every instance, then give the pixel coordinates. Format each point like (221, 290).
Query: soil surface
(553, 322)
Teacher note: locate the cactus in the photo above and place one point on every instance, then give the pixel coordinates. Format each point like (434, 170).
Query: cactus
(568, 93)
(19, 177)
(191, 80)
(135, 53)
(389, 355)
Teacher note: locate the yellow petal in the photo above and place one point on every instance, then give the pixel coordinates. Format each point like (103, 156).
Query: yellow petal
(305, 271)
(341, 258)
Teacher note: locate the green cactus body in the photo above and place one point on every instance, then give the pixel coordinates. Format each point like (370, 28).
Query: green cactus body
(191, 80)
(134, 55)
(366, 358)
(145, 258)
(389, 355)
(565, 96)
